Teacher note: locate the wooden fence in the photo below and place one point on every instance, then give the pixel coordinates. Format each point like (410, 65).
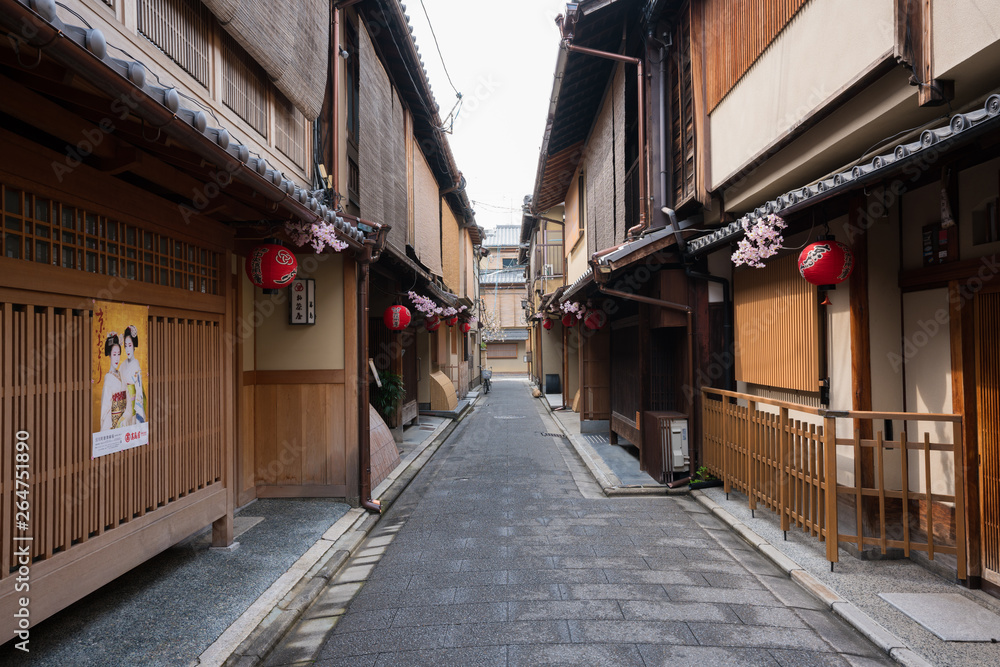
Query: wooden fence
(790, 466)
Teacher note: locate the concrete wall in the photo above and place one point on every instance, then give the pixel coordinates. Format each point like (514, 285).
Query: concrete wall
(281, 346)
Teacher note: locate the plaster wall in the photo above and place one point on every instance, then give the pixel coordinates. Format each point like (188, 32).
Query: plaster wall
(960, 30)
(796, 75)
(927, 364)
(283, 347)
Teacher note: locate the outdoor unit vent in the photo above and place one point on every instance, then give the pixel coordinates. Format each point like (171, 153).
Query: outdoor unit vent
(665, 455)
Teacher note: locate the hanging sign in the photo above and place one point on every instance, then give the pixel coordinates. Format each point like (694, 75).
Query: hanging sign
(120, 378)
(302, 304)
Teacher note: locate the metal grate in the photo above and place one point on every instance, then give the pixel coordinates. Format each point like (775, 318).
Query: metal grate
(181, 29)
(46, 231)
(244, 84)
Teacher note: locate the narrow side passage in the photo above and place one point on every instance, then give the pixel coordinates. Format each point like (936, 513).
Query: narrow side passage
(502, 553)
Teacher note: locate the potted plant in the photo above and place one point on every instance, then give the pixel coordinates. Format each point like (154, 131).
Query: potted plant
(386, 398)
(703, 479)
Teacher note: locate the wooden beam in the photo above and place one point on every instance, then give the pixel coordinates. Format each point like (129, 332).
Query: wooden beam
(964, 398)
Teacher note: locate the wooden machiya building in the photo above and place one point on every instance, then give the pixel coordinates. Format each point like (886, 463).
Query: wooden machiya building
(151, 147)
(864, 415)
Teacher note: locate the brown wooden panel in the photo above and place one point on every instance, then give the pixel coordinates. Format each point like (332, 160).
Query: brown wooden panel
(595, 376)
(777, 327)
(988, 373)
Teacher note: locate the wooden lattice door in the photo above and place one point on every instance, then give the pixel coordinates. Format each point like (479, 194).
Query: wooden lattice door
(988, 395)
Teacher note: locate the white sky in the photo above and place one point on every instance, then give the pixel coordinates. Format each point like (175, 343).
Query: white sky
(501, 57)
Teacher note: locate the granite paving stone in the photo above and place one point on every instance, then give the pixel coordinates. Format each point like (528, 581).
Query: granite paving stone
(504, 551)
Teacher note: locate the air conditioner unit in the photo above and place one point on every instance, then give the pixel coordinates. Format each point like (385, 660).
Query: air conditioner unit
(547, 270)
(665, 455)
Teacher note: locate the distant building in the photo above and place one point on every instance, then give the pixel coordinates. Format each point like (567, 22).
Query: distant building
(503, 288)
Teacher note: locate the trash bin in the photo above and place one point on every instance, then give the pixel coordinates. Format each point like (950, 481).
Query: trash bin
(552, 384)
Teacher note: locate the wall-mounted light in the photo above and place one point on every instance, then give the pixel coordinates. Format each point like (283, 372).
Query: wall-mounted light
(344, 53)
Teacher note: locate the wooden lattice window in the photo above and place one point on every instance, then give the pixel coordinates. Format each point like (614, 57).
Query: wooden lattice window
(182, 30)
(737, 33)
(244, 84)
(501, 350)
(777, 327)
(682, 126)
(49, 232)
(289, 130)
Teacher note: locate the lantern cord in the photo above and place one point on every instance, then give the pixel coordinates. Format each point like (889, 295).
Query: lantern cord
(397, 293)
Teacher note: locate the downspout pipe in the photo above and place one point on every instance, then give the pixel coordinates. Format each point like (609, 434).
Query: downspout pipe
(335, 103)
(364, 425)
(644, 166)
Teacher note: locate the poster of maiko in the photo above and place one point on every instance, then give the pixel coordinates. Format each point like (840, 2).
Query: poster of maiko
(120, 363)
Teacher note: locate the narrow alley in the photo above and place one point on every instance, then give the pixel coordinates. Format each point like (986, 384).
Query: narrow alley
(503, 551)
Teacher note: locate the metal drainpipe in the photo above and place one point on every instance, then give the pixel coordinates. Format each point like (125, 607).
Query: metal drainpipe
(335, 104)
(666, 177)
(672, 306)
(364, 425)
(644, 166)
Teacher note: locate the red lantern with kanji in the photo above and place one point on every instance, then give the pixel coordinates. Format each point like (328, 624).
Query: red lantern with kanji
(396, 318)
(432, 324)
(547, 323)
(569, 320)
(452, 321)
(271, 266)
(595, 319)
(826, 263)
(466, 327)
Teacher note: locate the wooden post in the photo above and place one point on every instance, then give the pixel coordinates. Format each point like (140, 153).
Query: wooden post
(782, 466)
(964, 402)
(830, 484)
(959, 456)
(750, 448)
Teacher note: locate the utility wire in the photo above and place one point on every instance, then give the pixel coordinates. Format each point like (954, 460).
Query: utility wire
(438, 47)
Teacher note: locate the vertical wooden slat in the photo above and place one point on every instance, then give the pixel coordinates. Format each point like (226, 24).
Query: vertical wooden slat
(830, 487)
(959, 456)
(904, 469)
(858, 495)
(880, 486)
(927, 496)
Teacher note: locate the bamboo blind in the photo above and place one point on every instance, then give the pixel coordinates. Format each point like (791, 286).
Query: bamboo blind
(50, 232)
(182, 30)
(682, 128)
(737, 33)
(988, 363)
(46, 391)
(244, 85)
(777, 327)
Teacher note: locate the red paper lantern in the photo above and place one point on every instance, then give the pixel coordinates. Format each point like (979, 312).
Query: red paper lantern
(396, 318)
(271, 266)
(466, 327)
(595, 319)
(452, 321)
(569, 320)
(547, 323)
(826, 262)
(432, 325)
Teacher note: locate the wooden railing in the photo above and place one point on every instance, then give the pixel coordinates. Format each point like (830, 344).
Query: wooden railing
(790, 466)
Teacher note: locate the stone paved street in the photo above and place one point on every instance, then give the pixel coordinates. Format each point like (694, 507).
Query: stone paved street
(503, 551)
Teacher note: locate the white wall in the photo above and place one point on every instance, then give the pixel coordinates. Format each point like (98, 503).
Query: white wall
(961, 29)
(825, 47)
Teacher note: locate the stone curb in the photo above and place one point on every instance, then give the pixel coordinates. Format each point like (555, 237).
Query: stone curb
(602, 479)
(892, 645)
(253, 650)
